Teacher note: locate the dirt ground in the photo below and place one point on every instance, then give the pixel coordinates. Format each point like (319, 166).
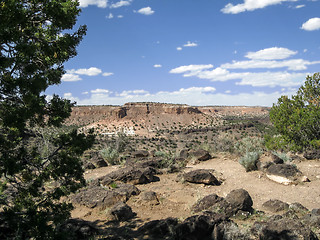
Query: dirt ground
(176, 198)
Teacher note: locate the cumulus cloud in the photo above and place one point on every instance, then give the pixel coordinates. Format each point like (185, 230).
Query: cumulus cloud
(70, 77)
(120, 4)
(192, 96)
(157, 65)
(100, 91)
(190, 44)
(93, 71)
(251, 5)
(179, 48)
(146, 11)
(271, 53)
(98, 3)
(270, 58)
(293, 64)
(312, 24)
(300, 6)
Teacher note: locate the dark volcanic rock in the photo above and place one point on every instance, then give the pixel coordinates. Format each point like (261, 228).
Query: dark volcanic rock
(204, 176)
(133, 175)
(149, 197)
(159, 229)
(100, 197)
(283, 170)
(275, 205)
(240, 199)
(200, 154)
(312, 154)
(276, 159)
(78, 229)
(140, 154)
(184, 153)
(121, 212)
(282, 229)
(97, 196)
(206, 202)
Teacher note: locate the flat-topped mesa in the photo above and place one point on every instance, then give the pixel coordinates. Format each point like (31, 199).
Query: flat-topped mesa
(159, 108)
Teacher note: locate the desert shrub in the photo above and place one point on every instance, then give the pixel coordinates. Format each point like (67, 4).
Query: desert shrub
(168, 161)
(249, 144)
(249, 160)
(110, 155)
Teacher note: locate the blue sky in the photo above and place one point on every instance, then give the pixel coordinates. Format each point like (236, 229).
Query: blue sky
(204, 52)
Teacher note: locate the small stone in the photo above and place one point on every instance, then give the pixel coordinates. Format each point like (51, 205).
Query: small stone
(305, 179)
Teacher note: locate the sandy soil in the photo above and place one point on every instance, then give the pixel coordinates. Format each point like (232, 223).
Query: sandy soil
(176, 198)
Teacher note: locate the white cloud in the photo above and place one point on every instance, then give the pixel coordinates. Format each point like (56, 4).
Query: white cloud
(98, 3)
(179, 48)
(312, 24)
(200, 96)
(100, 91)
(251, 5)
(93, 71)
(85, 93)
(190, 44)
(293, 64)
(271, 53)
(191, 68)
(120, 4)
(70, 77)
(146, 11)
(300, 6)
(110, 16)
(120, 16)
(107, 74)
(157, 65)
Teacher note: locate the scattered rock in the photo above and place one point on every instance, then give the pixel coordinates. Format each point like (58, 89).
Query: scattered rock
(78, 229)
(312, 154)
(159, 229)
(315, 211)
(283, 173)
(200, 154)
(184, 153)
(275, 205)
(284, 170)
(133, 175)
(304, 179)
(203, 176)
(206, 202)
(240, 199)
(102, 197)
(150, 197)
(121, 212)
(140, 154)
(282, 228)
(298, 207)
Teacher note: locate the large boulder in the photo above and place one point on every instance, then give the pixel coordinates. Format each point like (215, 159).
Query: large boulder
(204, 176)
(283, 173)
(121, 212)
(102, 197)
(282, 229)
(140, 154)
(159, 229)
(312, 154)
(275, 205)
(133, 175)
(200, 154)
(239, 199)
(206, 203)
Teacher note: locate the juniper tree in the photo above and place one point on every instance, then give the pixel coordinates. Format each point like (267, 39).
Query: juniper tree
(39, 164)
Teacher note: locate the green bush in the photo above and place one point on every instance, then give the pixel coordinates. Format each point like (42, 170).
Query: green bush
(249, 144)
(110, 155)
(249, 160)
